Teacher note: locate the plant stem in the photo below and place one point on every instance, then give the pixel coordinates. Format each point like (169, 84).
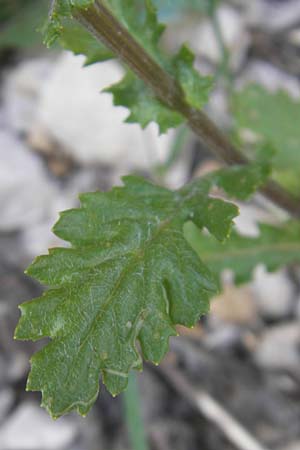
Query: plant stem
(134, 420)
(106, 28)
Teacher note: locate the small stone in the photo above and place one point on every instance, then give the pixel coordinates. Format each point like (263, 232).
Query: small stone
(278, 348)
(21, 89)
(87, 125)
(280, 14)
(30, 428)
(274, 293)
(234, 305)
(25, 190)
(223, 337)
(235, 36)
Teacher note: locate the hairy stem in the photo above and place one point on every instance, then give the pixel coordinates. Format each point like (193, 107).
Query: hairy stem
(106, 28)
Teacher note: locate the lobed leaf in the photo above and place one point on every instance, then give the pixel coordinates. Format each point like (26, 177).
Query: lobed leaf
(129, 277)
(75, 38)
(272, 117)
(242, 181)
(275, 247)
(143, 106)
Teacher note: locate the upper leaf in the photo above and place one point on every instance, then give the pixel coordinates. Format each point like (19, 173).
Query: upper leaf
(75, 38)
(195, 87)
(274, 247)
(139, 17)
(130, 276)
(143, 106)
(59, 11)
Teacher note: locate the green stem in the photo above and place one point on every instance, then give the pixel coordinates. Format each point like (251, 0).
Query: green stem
(134, 419)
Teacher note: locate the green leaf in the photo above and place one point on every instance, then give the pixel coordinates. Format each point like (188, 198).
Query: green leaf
(242, 181)
(130, 276)
(275, 247)
(147, 31)
(195, 87)
(143, 106)
(140, 19)
(21, 27)
(61, 10)
(75, 38)
(275, 118)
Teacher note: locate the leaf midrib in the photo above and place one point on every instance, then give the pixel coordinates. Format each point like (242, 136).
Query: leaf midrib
(135, 257)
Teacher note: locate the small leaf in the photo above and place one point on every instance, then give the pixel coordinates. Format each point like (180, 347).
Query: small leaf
(59, 11)
(140, 19)
(143, 106)
(75, 38)
(275, 247)
(196, 88)
(242, 181)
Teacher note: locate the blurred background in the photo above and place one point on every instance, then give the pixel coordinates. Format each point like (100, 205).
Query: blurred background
(233, 382)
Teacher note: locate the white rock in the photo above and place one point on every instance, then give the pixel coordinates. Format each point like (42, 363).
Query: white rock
(218, 108)
(274, 293)
(202, 38)
(29, 199)
(279, 348)
(25, 192)
(30, 428)
(21, 89)
(87, 124)
(250, 215)
(234, 33)
(273, 15)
